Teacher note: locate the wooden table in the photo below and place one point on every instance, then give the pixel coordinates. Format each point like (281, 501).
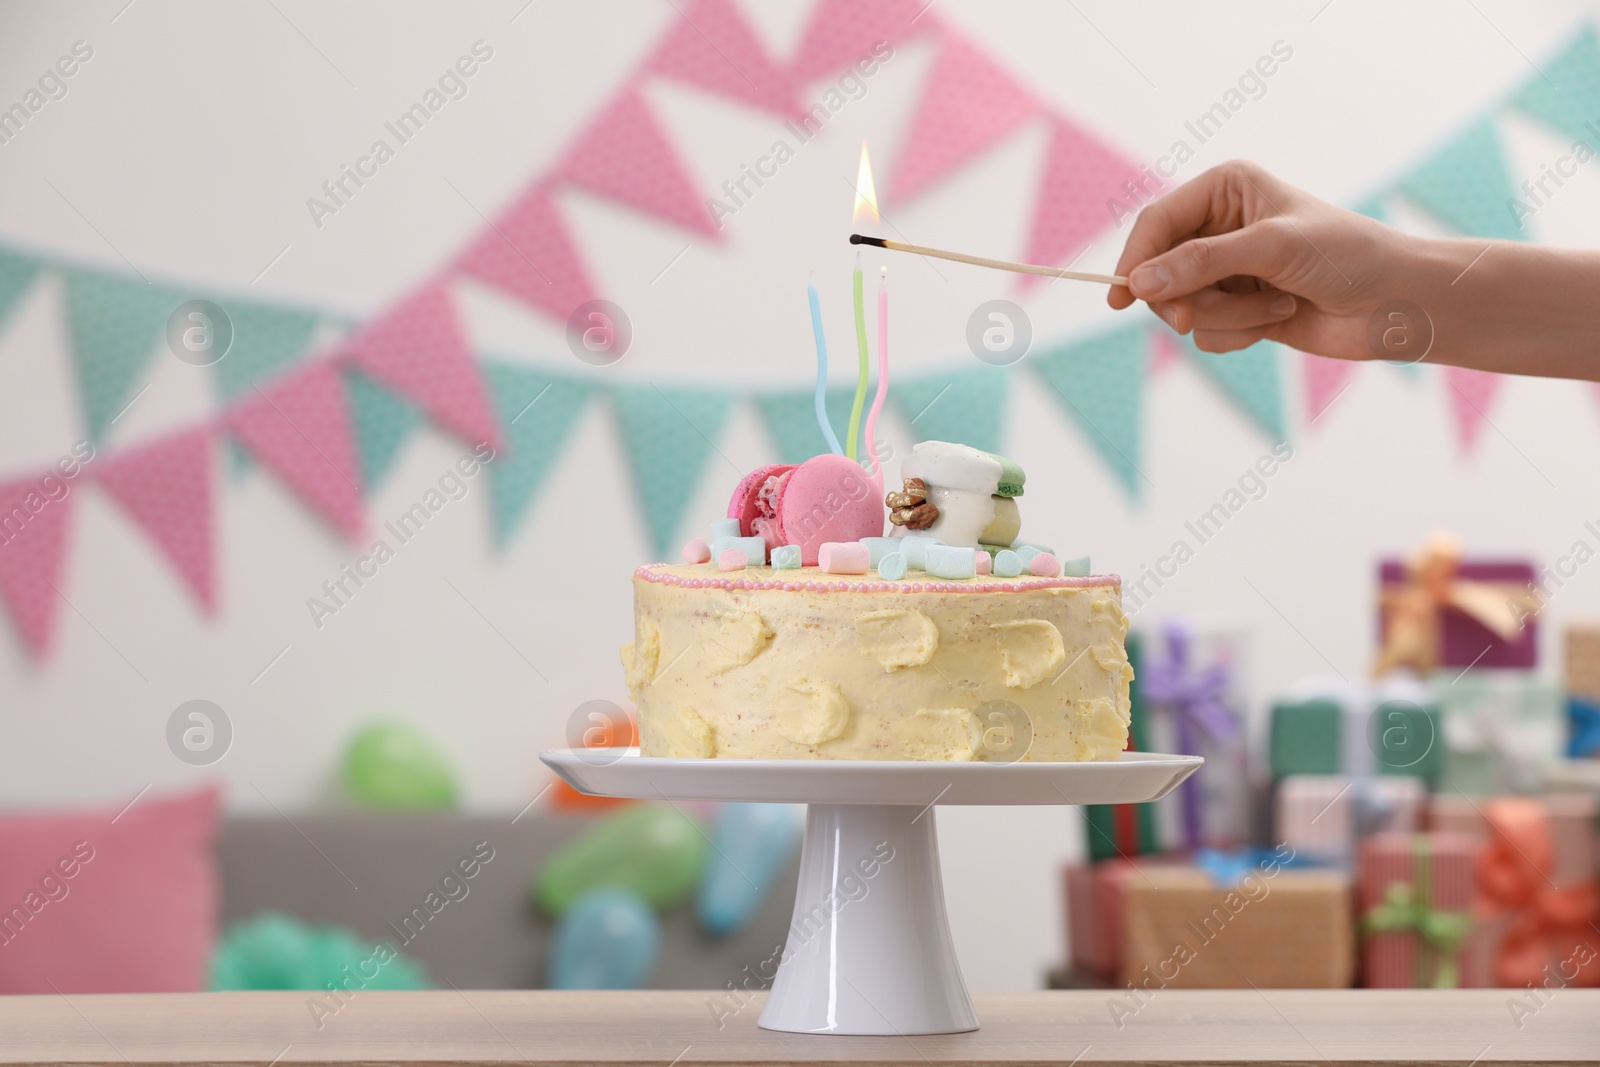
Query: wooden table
(1469, 1027)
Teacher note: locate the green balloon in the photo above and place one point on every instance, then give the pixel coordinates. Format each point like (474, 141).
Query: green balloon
(393, 765)
(653, 850)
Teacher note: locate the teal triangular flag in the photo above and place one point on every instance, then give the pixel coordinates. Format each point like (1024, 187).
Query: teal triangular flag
(1567, 95)
(1100, 381)
(1251, 377)
(383, 421)
(1467, 186)
(669, 434)
(16, 274)
(965, 406)
(115, 324)
(265, 341)
(538, 411)
(791, 419)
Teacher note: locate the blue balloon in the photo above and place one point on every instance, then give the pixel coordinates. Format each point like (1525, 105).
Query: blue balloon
(608, 939)
(754, 843)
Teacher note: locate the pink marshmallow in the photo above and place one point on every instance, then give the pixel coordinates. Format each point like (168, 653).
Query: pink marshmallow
(844, 557)
(697, 551)
(982, 562)
(732, 559)
(1044, 565)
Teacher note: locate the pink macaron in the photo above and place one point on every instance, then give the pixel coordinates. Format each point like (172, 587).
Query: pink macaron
(826, 498)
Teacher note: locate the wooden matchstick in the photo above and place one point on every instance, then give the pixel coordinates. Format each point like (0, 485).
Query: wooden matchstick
(996, 264)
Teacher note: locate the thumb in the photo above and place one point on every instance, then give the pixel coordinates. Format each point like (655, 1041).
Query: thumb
(1253, 250)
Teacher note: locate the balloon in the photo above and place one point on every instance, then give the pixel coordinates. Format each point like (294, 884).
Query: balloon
(753, 845)
(608, 939)
(273, 951)
(652, 849)
(393, 765)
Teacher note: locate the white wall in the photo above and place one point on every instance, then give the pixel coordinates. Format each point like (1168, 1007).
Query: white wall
(189, 144)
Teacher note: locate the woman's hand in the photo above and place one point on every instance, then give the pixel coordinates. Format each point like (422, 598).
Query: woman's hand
(1236, 256)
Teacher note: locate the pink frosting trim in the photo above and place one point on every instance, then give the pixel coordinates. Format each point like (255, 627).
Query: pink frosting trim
(655, 572)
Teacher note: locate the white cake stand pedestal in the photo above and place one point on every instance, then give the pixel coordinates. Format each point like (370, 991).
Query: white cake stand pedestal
(869, 949)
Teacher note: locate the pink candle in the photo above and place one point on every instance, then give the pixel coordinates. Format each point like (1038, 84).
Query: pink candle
(871, 457)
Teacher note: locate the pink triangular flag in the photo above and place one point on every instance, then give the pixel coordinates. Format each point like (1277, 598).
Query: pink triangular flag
(33, 539)
(1164, 349)
(843, 33)
(166, 487)
(300, 427)
(1080, 176)
(1324, 380)
(625, 155)
(418, 349)
(712, 47)
(528, 253)
(1471, 393)
(968, 104)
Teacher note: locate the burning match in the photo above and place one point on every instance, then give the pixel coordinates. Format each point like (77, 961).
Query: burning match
(996, 264)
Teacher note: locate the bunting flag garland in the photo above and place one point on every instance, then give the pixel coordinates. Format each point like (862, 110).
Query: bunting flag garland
(967, 405)
(1466, 185)
(115, 325)
(33, 539)
(166, 488)
(1324, 380)
(418, 350)
(299, 427)
(538, 411)
(711, 47)
(16, 274)
(331, 425)
(266, 340)
(791, 419)
(528, 253)
(1568, 96)
(668, 431)
(842, 33)
(968, 106)
(1081, 183)
(1100, 381)
(382, 420)
(624, 155)
(1250, 377)
(1471, 394)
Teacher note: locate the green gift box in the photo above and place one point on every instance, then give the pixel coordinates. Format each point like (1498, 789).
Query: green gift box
(1361, 732)
(1125, 829)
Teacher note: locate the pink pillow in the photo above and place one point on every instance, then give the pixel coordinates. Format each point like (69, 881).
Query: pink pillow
(92, 905)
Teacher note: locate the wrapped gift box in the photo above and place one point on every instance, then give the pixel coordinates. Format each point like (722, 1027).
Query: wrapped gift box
(1096, 898)
(1121, 830)
(1324, 816)
(1498, 731)
(1192, 681)
(1536, 887)
(1583, 689)
(1464, 641)
(1336, 727)
(1416, 894)
(1276, 928)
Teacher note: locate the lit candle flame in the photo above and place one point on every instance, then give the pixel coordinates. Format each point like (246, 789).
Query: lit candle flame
(866, 194)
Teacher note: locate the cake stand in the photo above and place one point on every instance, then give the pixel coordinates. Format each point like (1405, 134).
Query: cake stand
(869, 948)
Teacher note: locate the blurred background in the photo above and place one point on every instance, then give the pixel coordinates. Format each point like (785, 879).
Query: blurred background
(382, 311)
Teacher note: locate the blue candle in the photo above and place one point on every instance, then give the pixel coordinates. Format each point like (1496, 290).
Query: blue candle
(822, 371)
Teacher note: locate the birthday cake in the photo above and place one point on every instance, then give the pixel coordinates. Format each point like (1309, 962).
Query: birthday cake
(797, 630)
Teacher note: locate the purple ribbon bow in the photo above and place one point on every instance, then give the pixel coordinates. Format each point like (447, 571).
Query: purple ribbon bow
(1195, 697)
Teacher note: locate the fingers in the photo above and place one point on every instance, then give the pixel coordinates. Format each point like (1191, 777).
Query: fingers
(1258, 250)
(1164, 224)
(1213, 309)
